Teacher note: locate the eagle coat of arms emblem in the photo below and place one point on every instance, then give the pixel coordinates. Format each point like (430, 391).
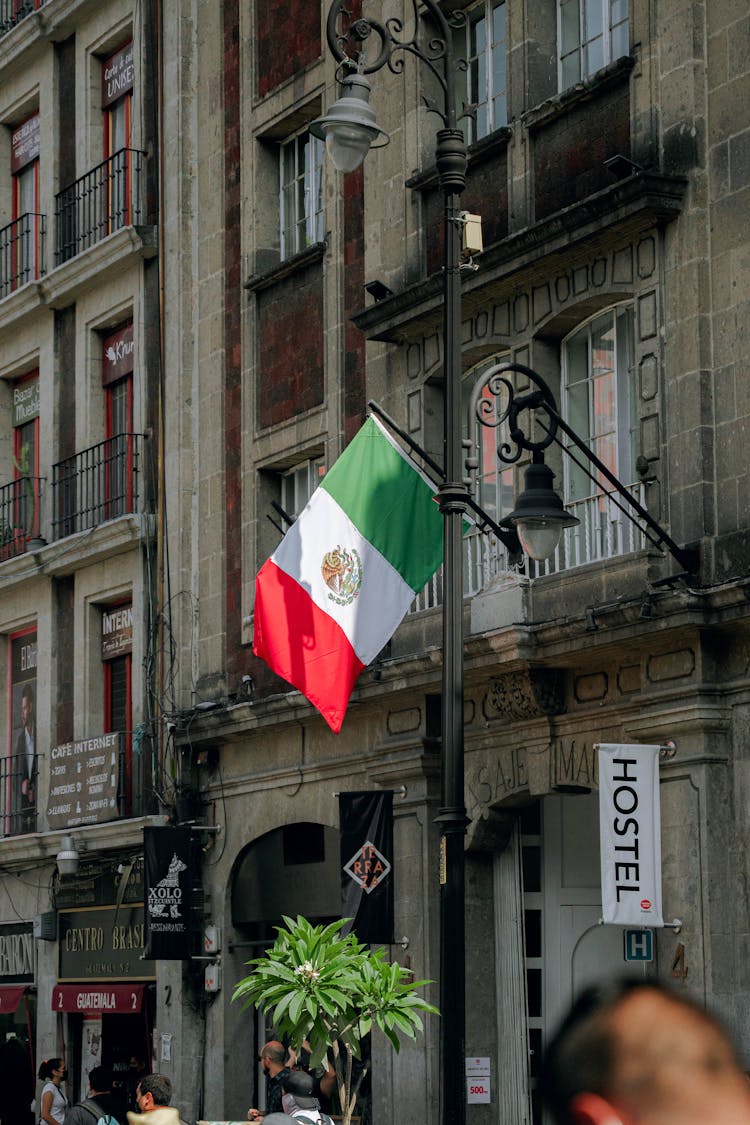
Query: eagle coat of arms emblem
(342, 574)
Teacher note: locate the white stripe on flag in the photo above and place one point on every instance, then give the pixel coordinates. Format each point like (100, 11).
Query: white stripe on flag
(371, 618)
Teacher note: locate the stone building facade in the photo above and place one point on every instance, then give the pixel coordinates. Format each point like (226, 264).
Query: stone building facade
(609, 163)
(79, 400)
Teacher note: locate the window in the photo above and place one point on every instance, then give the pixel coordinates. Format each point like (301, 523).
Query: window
(117, 378)
(600, 405)
(482, 43)
(117, 97)
(117, 642)
(301, 179)
(19, 500)
(298, 485)
(20, 776)
(599, 398)
(21, 241)
(591, 33)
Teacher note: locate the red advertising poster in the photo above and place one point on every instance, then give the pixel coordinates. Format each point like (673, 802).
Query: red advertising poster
(19, 790)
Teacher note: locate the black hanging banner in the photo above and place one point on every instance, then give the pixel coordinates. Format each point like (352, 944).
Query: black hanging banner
(167, 891)
(366, 824)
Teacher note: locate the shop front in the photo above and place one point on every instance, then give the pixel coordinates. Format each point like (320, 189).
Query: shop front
(104, 997)
(17, 1020)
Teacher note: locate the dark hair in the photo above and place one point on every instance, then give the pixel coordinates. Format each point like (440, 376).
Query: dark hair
(48, 1066)
(158, 1086)
(582, 1054)
(100, 1079)
(298, 1082)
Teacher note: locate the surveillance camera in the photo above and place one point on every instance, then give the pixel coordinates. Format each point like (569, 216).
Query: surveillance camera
(171, 727)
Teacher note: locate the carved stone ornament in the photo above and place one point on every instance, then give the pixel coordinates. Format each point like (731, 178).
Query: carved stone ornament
(527, 693)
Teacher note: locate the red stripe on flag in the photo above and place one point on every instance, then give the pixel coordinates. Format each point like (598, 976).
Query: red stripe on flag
(303, 644)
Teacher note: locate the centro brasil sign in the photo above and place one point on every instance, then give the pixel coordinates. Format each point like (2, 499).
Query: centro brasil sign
(103, 943)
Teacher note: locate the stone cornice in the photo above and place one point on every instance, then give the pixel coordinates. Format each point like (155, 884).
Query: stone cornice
(639, 202)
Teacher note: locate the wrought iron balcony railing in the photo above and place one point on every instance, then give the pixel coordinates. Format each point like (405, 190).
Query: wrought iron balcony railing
(604, 533)
(96, 485)
(103, 201)
(18, 777)
(20, 503)
(22, 251)
(13, 11)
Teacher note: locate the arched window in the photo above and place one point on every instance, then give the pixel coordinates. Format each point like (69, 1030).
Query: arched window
(599, 402)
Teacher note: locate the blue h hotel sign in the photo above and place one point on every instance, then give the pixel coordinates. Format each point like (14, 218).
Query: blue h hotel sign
(638, 945)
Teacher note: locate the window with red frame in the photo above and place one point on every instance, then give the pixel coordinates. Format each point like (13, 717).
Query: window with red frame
(118, 76)
(25, 233)
(19, 503)
(117, 643)
(20, 776)
(117, 380)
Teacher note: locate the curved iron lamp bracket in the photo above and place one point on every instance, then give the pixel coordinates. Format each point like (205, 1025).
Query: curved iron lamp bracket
(501, 389)
(436, 51)
(540, 398)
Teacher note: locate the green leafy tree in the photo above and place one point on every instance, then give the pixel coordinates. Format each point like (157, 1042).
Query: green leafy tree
(331, 990)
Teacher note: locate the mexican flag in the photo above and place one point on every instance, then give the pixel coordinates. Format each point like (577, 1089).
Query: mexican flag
(344, 575)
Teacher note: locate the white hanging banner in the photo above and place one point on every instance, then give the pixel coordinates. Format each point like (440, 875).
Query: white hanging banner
(630, 834)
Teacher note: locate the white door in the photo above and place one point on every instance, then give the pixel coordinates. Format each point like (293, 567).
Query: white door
(577, 949)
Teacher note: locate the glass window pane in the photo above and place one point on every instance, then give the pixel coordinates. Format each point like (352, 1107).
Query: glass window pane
(620, 41)
(531, 822)
(533, 932)
(618, 11)
(534, 991)
(571, 70)
(594, 57)
(577, 409)
(605, 447)
(479, 35)
(531, 862)
(498, 23)
(570, 37)
(577, 358)
(593, 23)
(603, 394)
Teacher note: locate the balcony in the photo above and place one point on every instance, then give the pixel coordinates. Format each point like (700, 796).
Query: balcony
(105, 200)
(96, 485)
(20, 503)
(13, 11)
(22, 251)
(17, 792)
(604, 532)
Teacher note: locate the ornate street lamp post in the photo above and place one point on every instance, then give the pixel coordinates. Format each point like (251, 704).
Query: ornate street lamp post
(349, 129)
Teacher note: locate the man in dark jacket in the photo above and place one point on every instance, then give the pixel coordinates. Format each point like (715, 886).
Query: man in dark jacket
(101, 1102)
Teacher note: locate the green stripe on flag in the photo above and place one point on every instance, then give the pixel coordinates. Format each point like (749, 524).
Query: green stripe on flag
(389, 503)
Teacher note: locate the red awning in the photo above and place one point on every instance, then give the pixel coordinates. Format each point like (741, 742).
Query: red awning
(101, 998)
(10, 997)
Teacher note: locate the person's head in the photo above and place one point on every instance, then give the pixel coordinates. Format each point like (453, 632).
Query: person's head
(100, 1080)
(272, 1057)
(297, 1091)
(153, 1090)
(635, 1053)
(27, 706)
(53, 1070)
